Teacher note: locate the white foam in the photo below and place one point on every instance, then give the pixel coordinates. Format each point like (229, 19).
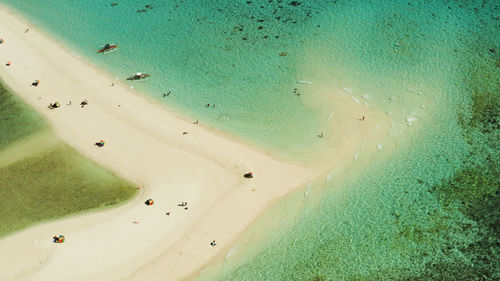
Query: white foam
(392, 98)
(231, 252)
(411, 119)
(304, 82)
(366, 97)
(355, 99)
(388, 112)
(330, 116)
(379, 146)
(349, 90)
(356, 157)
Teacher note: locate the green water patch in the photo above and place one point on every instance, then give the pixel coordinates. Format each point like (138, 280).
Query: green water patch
(17, 120)
(42, 178)
(54, 183)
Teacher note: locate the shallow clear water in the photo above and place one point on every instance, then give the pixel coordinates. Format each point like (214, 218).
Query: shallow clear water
(420, 58)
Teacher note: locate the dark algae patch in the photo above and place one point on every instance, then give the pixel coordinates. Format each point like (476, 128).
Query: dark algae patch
(474, 190)
(51, 182)
(16, 119)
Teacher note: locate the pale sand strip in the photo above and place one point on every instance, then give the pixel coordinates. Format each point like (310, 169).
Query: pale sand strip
(145, 144)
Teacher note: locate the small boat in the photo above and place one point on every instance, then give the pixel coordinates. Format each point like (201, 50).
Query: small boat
(108, 48)
(139, 76)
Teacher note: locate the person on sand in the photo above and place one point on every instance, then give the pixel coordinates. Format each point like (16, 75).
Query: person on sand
(362, 118)
(84, 103)
(1, 41)
(8, 63)
(26, 30)
(213, 243)
(320, 135)
(168, 213)
(196, 122)
(112, 85)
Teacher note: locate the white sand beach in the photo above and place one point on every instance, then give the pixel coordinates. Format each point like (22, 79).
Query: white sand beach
(146, 145)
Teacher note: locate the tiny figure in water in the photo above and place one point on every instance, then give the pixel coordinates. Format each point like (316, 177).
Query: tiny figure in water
(213, 105)
(320, 135)
(207, 105)
(196, 122)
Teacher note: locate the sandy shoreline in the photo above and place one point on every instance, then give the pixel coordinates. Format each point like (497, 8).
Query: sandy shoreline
(146, 144)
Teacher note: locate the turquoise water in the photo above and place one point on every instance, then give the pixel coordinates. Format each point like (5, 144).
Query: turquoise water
(426, 211)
